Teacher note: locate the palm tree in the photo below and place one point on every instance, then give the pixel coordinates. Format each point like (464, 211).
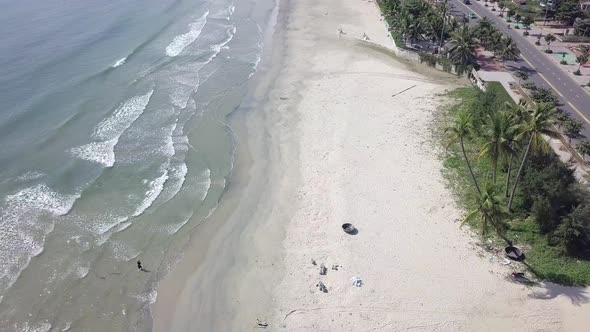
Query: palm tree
(497, 140)
(494, 40)
(517, 113)
(415, 30)
(463, 45)
(540, 122)
(549, 39)
(433, 26)
(490, 211)
(403, 25)
(458, 132)
(507, 49)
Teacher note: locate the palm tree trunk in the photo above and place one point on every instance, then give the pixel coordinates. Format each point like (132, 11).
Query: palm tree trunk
(508, 176)
(494, 170)
(524, 158)
(469, 166)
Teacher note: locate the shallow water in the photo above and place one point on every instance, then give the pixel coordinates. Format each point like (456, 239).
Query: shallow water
(114, 148)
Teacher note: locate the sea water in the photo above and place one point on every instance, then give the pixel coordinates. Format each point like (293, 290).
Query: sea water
(114, 148)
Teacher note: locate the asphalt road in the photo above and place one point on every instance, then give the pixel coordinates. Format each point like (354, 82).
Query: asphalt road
(543, 72)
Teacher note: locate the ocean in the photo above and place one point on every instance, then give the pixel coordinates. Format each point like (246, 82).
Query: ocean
(114, 148)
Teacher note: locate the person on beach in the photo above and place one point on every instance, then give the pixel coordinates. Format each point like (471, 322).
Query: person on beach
(139, 266)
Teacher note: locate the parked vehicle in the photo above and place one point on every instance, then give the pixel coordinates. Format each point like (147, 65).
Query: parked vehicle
(472, 16)
(467, 2)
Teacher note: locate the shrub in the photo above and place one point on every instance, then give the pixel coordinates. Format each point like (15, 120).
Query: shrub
(563, 62)
(573, 234)
(526, 33)
(542, 213)
(501, 15)
(548, 51)
(538, 43)
(578, 72)
(517, 27)
(529, 85)
(545, 96)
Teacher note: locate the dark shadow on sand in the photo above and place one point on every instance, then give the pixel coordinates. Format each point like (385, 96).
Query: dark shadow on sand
(549, 290)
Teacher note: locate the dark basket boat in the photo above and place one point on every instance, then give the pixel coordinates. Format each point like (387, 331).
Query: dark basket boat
(514, 253)
(349, 228)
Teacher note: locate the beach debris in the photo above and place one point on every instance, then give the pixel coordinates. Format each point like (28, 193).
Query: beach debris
(261, 324)
(322, 287)
(365, 37)
(505, 262)
(340, 32)
(335, 267)
(356, 281)
(313, 262)
(413, 86)
(283, 98)
(349, 228)
(323, 270)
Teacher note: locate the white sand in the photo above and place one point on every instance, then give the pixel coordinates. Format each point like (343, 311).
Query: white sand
(341, 149)
(366, 158)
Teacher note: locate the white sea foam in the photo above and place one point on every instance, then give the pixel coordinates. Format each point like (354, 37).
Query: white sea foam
(29, 176)
(155, 188)
(109, 130)
(23, 231)
(174, 228)
(204, 184)
(123, 251)
(119, 62)
(218, 47)
(175, 182)
(82, 271)
(149, 298)
(186, 84)
(39, 327)
(99, 152)
(180, 42)
(122, 117)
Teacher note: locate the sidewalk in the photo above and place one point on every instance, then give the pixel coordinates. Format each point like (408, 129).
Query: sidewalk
(559, 48)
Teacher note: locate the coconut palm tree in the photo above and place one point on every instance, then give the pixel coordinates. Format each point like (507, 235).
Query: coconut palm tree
(507, 49)
(540, 122)
(517, 113)
(461, 130)
(497, 136)
(490, 211)
(463, 45)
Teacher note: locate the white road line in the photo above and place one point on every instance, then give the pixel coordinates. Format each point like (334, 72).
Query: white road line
(555, 89)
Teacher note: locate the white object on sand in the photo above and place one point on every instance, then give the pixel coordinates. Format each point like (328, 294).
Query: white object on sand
(356, 281)
(505, 261)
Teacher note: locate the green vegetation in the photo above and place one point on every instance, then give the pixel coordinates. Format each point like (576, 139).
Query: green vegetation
(513, 185)
(412, 21)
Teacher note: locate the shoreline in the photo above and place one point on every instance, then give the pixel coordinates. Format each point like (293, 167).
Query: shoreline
(340, 131)
(225, 225)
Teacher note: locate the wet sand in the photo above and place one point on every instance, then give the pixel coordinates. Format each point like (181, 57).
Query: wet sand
(340, 131)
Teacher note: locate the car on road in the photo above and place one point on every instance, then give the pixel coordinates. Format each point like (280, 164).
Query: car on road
(472, 16)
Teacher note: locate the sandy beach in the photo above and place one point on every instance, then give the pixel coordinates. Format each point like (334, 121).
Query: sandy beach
(340, 131)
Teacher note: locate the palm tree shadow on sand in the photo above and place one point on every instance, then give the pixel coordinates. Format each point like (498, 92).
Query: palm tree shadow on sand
(548, 291)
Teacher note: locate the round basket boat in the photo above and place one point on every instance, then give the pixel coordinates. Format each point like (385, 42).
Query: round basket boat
(349, 228)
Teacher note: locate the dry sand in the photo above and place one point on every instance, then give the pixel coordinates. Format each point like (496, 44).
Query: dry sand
(335, 143)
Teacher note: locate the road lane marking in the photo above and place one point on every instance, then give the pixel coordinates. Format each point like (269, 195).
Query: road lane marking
(556, 90)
